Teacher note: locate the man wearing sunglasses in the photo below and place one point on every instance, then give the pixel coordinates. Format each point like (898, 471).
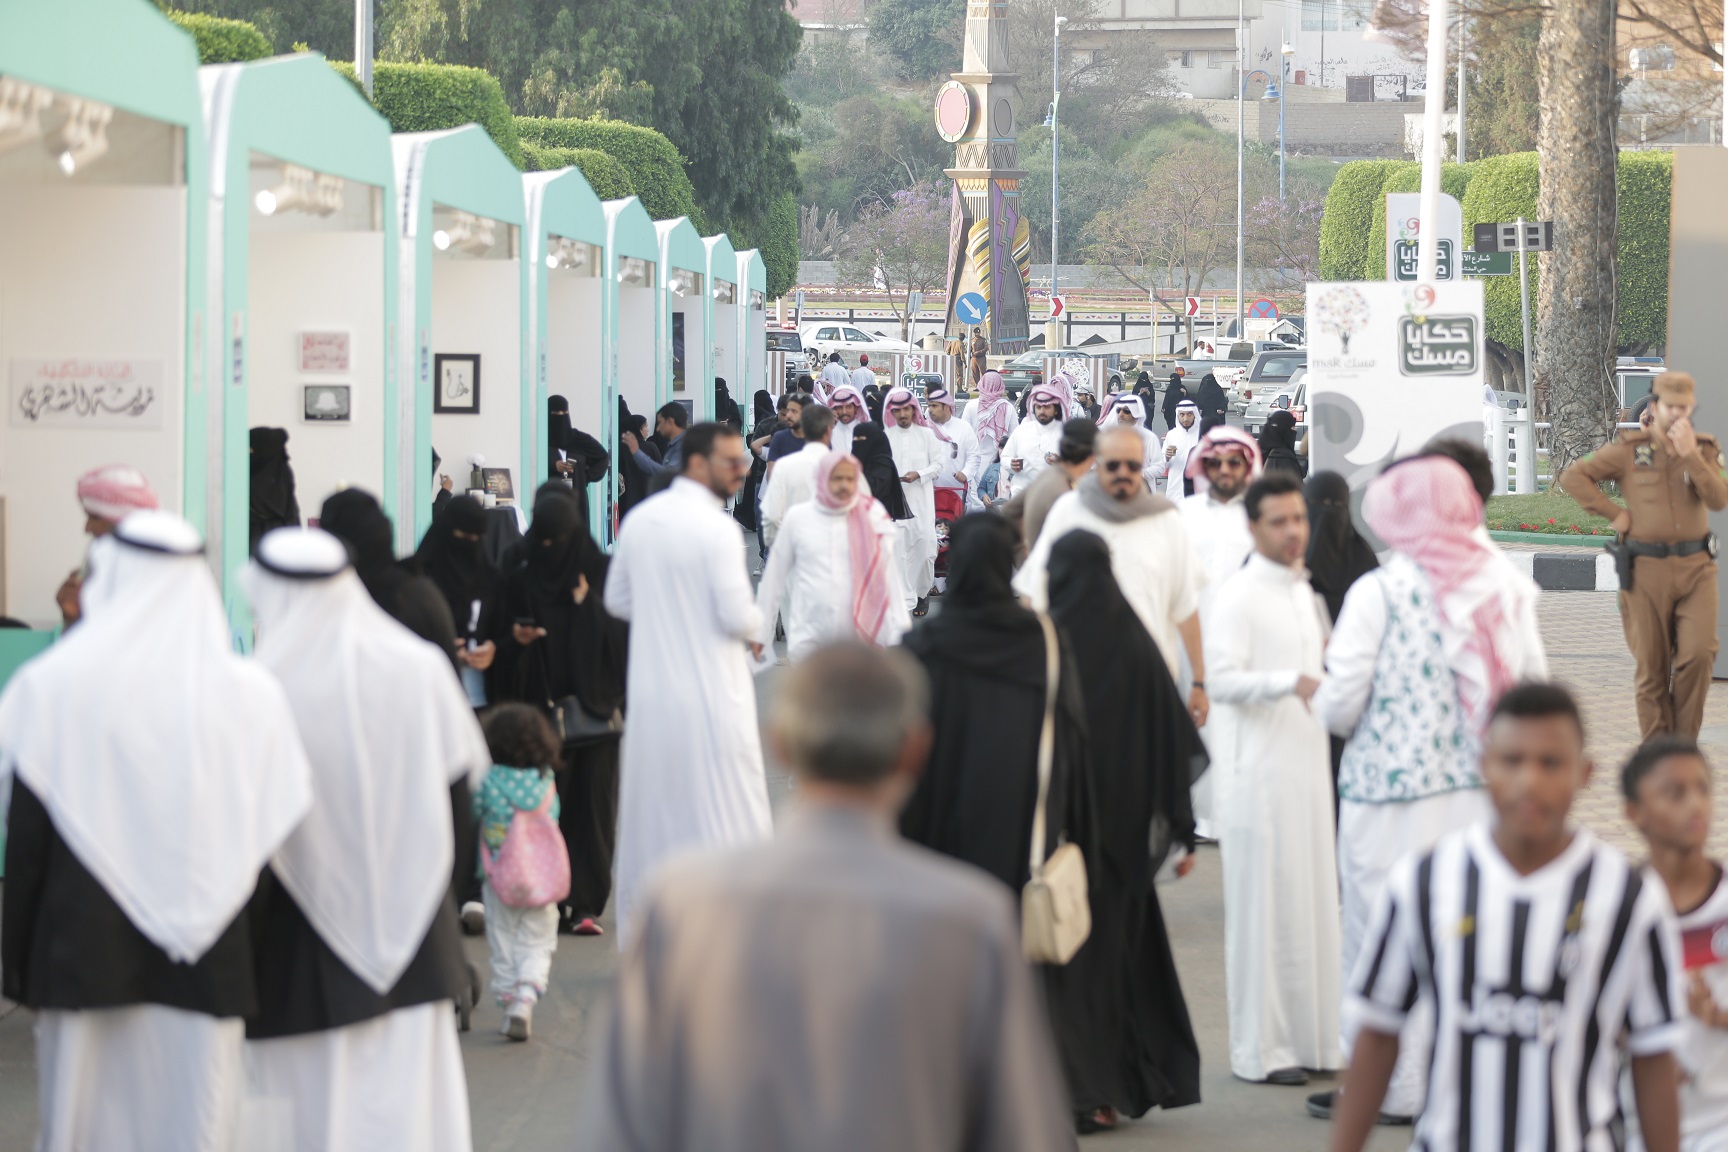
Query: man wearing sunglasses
(1150, 553)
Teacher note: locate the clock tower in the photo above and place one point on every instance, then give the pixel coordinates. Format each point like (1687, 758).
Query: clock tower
(989, 242)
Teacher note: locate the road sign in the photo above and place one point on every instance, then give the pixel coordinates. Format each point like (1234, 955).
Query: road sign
(1192, 306)
(971, 308)
(1538, 236)
(1058, 305)
(914, 303)
(1487, 263)
(1404, 260)
(1263, 309)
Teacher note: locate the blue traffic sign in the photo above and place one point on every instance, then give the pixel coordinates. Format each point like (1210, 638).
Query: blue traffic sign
(972, 308)
(1263, 309)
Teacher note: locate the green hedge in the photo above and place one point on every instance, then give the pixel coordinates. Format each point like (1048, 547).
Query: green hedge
(605, 175)
(1407, 177)
(1347, 222)
(427, 97)
(776, 238)
(1646, 182)
(656, 170)
(1505, 188)
(223, 41)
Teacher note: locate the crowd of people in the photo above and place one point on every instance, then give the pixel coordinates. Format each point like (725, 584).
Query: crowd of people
(1033, 661)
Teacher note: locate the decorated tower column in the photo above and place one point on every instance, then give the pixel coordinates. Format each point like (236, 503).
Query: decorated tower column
(989, 241)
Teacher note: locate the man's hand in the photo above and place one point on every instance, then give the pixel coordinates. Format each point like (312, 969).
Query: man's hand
(1169, 451)
(1050, 457)
(909, 478)
(632, 443)
(1184, 866)
(755, 649)
(1622, 523)
(445, 483)
(1198, 706)
(960, 478)
(1682, 437)
(67, 597)
(1016, 464)
(1306, 686)
(1702, 1003)
(526, 634)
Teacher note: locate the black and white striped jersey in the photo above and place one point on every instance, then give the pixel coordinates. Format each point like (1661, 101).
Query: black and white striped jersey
(1537, 981)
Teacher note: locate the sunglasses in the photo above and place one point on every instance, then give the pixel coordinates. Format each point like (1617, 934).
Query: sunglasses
(1121, 465)
(1232, 462)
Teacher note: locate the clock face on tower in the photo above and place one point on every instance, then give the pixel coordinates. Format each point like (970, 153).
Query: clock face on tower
(1002, 120)
(953, 111)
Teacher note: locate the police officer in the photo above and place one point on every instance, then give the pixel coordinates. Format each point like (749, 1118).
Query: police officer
(1669, 475)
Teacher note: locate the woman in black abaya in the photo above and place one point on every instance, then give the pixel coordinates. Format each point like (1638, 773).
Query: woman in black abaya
(1337, 558)
(1278, 445)
(273, 504)
(870, 445)
(1117, 1009)
(571, 648)
(984, 655)
(453, 556)
(354, 517)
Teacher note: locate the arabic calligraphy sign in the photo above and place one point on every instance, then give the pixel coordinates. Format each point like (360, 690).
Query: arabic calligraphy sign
(85, 393)
(1437, 345)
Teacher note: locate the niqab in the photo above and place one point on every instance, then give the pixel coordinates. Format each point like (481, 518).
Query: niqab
(459, 567)
(272, 499)
(1337, 554)
(870, 445)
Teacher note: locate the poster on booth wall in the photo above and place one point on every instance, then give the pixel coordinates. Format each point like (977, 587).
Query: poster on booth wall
(87, 393)
(1390, 367)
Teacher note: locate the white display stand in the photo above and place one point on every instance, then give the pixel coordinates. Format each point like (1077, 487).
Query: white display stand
(723, 323)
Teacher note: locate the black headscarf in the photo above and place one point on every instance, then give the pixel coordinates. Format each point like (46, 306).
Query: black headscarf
(762, 406)
(1337, 554)
(354, 517)
(1278, 444)
(725, 408)
(873, 402)
(876, 458)
(1173, 395)
(273, 503)
(982, 625)
(1211, 399)
(557, 423)
(459, 567)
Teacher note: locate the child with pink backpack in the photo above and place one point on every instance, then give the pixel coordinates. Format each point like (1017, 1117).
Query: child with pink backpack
(523, 862)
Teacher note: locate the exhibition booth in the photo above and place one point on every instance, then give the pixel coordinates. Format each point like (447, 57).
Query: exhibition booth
(753, 324)
(102, 173)
(304, 269)
(566, 253)
(632, 319)
(723, 321)
(683, 370)
(462, 318)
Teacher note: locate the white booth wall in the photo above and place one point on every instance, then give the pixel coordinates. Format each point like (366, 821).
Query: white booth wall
(698, 387)
(573, 348)
(726, 362)
(87, 272)
(476, 308)
(316, 281)
(637, 371)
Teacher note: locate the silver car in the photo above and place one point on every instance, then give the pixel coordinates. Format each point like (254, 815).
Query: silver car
(1292, 396)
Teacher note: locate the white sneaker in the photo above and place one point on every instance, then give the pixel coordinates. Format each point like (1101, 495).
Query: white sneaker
(473, 917)
(518, 1020)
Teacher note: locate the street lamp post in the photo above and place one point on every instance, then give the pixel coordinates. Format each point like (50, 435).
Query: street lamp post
(1054, 336)
(363, 45)
(1285, 53)
(1241, 159)
(1462, 20)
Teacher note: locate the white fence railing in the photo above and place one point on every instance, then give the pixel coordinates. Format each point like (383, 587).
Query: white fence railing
(1514, 440)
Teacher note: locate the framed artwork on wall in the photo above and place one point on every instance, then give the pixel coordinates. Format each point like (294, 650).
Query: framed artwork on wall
(326, 403)
(456, 378)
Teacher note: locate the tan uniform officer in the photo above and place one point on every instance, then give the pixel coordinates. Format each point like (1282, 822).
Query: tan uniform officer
(1669, 475)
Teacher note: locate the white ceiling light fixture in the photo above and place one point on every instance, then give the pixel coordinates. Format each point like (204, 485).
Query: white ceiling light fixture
(466, 233)
(21, 109)
(302, 190)
(725, 292)
(563, 252)
(633, 271)
(83, 138)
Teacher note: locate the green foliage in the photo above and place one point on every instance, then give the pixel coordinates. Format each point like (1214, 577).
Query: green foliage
(605, 175)
(860, 151)
(426, 97)
(1505, 104)
(655, 168)
(325, 26)
(1646, 197)
(1504, 188)
(1090, 184)
(776, 239)
(1407, 177)
(920, 37)
(1346, 228)
(222, 41)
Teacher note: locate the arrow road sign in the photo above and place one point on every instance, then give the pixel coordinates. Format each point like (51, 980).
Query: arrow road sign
(1057, 305)
(971, 308)
(1193, 306)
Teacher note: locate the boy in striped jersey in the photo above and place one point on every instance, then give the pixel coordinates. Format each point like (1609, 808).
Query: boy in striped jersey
(1544, 954)
(1667, 787)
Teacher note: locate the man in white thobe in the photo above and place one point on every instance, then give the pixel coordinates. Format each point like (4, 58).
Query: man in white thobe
(1034, 443)
(1129, 410)
(964, 461)
(1178, 443)
(1150, 554)
(1265, 648)
(790, 484)
(863, 376)
(692, 758)
(1224, 463)
(918, 457)
(834, 375)
(847, 403)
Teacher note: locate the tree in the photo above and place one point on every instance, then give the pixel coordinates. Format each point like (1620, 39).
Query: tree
(1090, 184)
(901, 246)
(1504, 107)
(921, 37)
(1284, 235)
(1110, 88)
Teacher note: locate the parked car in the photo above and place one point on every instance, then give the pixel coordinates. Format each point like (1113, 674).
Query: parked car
(1268, 371)
(1292, 396)
(826, 339)
(1024, 371)
(788, 341)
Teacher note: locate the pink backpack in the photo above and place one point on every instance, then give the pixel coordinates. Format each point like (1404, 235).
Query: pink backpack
(532, 868)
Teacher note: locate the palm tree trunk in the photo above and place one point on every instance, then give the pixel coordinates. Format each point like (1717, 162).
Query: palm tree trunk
(1575, 315)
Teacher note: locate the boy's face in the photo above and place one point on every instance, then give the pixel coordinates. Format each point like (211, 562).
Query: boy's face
(1673, 807)
(1533, 767)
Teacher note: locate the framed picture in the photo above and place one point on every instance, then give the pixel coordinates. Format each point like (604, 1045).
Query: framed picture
(456, 375)
(324, 351)
(326, 403)
(498, 483)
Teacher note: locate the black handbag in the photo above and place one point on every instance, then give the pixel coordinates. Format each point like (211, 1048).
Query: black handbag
(575, 724)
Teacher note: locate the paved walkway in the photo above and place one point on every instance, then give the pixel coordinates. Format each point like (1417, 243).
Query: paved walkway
(527, 1098)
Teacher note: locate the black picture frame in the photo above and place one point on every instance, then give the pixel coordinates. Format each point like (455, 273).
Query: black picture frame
(451, 400)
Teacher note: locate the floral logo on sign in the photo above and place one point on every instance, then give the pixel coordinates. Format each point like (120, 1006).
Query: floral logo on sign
(1342, 312)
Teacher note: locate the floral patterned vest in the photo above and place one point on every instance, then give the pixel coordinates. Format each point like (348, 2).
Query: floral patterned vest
(1411, 741)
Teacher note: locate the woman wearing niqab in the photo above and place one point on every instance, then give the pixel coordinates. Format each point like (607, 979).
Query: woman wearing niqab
(452, 556)
(1337, 554)
(1174, 393)
(1117, 1009)
(1278, 444)
(870, 445)
(765, 422)
(725, 408)
(354, 517)
(273, 503)
(560, 585)
(873, 401)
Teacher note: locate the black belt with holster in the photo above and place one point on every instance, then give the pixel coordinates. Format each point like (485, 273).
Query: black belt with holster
(1625, 550)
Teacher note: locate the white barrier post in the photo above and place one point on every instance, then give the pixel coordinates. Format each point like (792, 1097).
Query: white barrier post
(1524, 453)
(1497, 448)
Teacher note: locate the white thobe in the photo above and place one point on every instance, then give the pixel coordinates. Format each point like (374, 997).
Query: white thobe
(812, 560)
(1222, 541)
(841, 440)
(916, 449)
(1272, 761)
(1186, 440)
(792, 482)
(862, 378)
(1151, 558)
(833, 376)
(1030, 444)
(963, 454)
(691, 767)
(973, 416)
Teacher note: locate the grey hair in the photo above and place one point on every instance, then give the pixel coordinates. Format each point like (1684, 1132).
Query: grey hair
(844, 714)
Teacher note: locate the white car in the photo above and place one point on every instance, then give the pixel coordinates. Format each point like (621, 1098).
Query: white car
(849, 341)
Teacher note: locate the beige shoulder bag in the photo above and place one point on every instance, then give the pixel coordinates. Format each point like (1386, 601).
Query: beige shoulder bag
(1055, 918)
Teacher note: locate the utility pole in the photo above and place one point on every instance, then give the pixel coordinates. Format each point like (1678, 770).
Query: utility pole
(1055, 161)
(1241, 159)
(363, 44)
(1462, 26)
(1433, 112)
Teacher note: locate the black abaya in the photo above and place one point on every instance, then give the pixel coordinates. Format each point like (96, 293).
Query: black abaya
(355, 518)
(984, 655)
(1117, 1009)
(876, 458)
(273, 503)
(1337, 554)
